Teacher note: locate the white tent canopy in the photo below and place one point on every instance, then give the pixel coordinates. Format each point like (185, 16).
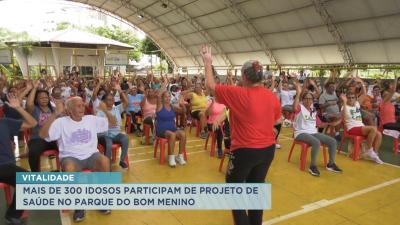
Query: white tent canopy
(285, 32)
(74, 36)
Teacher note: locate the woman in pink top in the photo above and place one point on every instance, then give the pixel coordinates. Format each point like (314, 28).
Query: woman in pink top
(213, 111)
(386, 108)
(148, 106)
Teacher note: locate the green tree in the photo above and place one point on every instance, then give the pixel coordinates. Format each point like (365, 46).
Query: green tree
(63, 26)
(124, 36)
(151, 48)
(22, 40)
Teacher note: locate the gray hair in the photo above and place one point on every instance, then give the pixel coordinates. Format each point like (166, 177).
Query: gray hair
(70, 102)
(252, 69)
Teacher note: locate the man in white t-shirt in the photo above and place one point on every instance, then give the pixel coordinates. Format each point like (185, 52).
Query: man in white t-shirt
(76, 136)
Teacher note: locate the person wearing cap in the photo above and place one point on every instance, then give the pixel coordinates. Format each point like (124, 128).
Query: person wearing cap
(252, 128)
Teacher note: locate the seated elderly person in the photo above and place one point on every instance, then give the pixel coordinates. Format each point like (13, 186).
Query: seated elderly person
(76, 135)
(114, 135)
(328, 103)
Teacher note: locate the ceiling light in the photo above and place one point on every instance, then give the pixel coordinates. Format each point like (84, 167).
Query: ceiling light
(140, 16)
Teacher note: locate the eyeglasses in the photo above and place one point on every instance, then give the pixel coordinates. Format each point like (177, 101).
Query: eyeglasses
(351, 97)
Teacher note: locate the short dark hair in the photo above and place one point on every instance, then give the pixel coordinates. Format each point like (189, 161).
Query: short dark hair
(329, 83)
(106, 95)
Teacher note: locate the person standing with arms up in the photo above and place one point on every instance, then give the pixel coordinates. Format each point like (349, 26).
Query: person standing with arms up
(252, 128)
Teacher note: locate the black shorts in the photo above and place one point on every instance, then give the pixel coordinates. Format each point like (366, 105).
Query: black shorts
(196, 114)
(161, 133)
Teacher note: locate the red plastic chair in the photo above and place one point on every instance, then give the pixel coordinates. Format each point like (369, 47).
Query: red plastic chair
(114, 149)
(7, 192)
(51, 152)
(161, 142)
(395, 140)
(146, 133)
(288, 115)
(128, 123)
(213, 142)
(27, 135)
(1, 112)
(357, 140)
(303, 154)
(226, 151)
(196, 123)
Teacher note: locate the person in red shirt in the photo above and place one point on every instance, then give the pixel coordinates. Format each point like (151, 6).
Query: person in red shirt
(253, 113)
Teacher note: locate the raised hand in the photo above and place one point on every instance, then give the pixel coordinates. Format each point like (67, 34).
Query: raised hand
(182, 101)
(59, 106)
(229, 73)
(205, 53)
(312, 82)
(29, 85)
(13, 101)
(343, 98)
(103, 106)
(297, 85)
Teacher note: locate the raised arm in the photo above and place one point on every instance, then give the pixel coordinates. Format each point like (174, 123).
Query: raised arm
(31, 98)
(29, 121)
(146, 93)
(112, 121)
(122, 94)
(44, 130)
(363, 89)
(180, 107)
(388, 96)
(207, 60)
(96, 89)
(159, 100)
(25, 91)
(297, 98)
(317, 90)
(229, 79)
(344, 105)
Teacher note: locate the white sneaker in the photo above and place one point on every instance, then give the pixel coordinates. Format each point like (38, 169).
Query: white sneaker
(277, 146)
(171, 161)
(179, 158)
(378, 160)
(370, 154)
(373, 154)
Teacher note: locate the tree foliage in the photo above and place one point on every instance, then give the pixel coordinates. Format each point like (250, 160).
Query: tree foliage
(151, 48)
(124, 36)
(114, 33)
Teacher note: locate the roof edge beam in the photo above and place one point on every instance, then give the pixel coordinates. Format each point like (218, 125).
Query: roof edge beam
(129, 4)
(252, 29)
(201, 31)
(320, 7)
